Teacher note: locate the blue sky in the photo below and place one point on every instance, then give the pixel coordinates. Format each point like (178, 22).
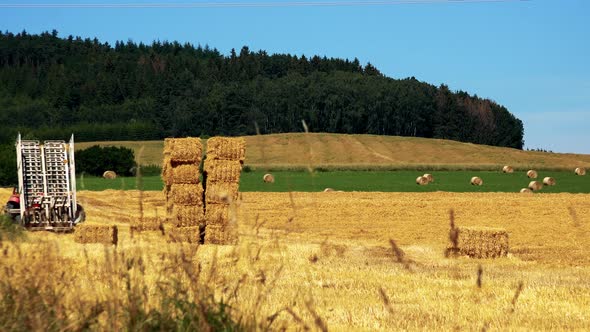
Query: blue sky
(531, 56)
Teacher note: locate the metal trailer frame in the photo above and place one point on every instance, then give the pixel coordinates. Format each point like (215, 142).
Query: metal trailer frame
(46, 184)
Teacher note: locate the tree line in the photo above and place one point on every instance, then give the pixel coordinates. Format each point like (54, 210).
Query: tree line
(53, 86)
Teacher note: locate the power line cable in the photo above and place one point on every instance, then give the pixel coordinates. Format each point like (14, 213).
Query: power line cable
(247, 4)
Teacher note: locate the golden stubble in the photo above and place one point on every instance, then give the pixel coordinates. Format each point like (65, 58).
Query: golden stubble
(327, 260)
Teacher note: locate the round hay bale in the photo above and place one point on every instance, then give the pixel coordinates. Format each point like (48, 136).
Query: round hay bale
(429, 177)
(580, 171)
(422, 181)
(268, 178)
(535, 185)
(109, 175)
(532, 174)
(507, 169)
(526, 191)
(328, 190)
(549, 181)
(476, 181)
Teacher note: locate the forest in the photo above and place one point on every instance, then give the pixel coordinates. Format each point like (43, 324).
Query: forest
(51, 87)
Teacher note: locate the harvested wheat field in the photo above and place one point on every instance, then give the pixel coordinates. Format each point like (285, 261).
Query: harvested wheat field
(328, 262)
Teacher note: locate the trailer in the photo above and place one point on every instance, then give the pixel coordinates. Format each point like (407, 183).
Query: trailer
(46, 195)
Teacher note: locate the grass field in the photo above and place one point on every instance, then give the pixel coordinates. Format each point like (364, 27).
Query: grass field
(354, 152)
(322, 261)
(393, 181)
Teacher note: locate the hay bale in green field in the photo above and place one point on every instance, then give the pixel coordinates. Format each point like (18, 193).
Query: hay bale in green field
(481, 242)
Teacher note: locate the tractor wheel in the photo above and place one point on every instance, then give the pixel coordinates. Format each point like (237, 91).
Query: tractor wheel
(80, 214)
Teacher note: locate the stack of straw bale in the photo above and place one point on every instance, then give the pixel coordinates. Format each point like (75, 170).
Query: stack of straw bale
(183, 189)
(96, 233)
(223, 167)
(482, 242)
(146, 224)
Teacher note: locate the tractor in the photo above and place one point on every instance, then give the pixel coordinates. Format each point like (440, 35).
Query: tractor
(45, 198)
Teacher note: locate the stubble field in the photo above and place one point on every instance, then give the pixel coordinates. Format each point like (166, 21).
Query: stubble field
(325, 260)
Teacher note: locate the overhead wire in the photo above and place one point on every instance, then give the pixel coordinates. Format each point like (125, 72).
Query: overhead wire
(194, 4)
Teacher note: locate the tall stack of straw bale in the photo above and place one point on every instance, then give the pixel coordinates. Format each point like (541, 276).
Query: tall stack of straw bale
(183, 189)
(481, 242)
(222, 168)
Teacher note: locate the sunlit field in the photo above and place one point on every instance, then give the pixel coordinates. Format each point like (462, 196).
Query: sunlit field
(324, 261)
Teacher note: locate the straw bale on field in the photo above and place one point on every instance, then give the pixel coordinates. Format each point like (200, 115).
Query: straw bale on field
(109, 175)
(535, 185)
(481, 242)
(217, 214)
(508, 169)
(96, 233)
(328, 190)
(187, 215)
(222, 170)
(186, 150)
(549, 181)
(187, 194)
(221, 234)
(421, 181)
(268, 178)
(476, 181)
(226, 148)
(532, 174)
(580, 171)
(429, 177)
(526, 191)
(183, 234)
(221, 192)
(146, 224)
(187, 173)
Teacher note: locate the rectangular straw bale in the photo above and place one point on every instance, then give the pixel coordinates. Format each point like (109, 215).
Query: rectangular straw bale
(226, 148)
(219, 234)
(482, 242)
(187, 215)
(222, 170)
(96, 233)
(221, 192)
(218, 214)
(187, 194)
(146, 224)
(186, 173)
(183, 234)
(186, 150)
(166, 171)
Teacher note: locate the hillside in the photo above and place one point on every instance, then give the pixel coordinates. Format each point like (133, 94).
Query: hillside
(54, 86)
(372, 152)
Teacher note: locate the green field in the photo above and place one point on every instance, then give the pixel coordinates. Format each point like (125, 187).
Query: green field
(400, 181)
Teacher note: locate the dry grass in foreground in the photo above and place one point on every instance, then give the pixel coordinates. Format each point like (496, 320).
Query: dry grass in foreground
(327, 261)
